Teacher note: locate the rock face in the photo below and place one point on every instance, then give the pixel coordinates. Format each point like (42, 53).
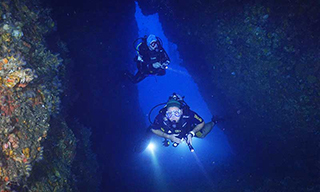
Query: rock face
(261, 61)
(37, 146)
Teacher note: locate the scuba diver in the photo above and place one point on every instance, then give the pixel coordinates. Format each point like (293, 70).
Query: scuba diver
(151, 59)
(178, 123)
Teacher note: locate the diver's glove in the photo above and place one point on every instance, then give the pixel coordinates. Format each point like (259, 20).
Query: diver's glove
(189, 137)
(156, 65)
(174, 138)
(165, 65)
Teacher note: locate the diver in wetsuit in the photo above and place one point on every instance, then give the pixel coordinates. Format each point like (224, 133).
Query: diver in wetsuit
(151, 59)
(176, 122)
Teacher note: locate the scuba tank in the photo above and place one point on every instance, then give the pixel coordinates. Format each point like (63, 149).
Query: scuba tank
(136, 45)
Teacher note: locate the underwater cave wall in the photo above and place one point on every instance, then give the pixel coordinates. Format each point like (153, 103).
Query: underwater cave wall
(37, 146)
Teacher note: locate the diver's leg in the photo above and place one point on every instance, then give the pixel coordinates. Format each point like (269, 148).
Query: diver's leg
(139, 77)
(208, 127)
(205, 130)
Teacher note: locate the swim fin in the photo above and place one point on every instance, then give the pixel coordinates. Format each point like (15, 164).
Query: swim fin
(216, 119)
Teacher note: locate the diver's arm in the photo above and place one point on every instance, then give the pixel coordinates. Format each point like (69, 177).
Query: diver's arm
(171, 137)
(155, 128)
(193, 132)
(160, 133)
(198, 127)
(165, 59)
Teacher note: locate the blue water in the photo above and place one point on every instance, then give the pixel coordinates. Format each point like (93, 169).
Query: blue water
(272, 153)
(170, 163)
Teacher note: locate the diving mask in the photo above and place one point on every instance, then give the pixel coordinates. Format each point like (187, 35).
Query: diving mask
(153, 45)
(176, 113)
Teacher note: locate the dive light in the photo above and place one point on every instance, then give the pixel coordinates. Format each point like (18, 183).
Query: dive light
(189, 145)
(175, 144)
(191, 148)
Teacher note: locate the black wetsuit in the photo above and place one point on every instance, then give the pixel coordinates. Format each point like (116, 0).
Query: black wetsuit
(145, 67)
(187, 122)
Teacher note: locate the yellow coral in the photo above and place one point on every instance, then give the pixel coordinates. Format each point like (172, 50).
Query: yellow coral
(10, 153)
(6, 37)
(11, 80)
(26, 152)
(23, 76)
